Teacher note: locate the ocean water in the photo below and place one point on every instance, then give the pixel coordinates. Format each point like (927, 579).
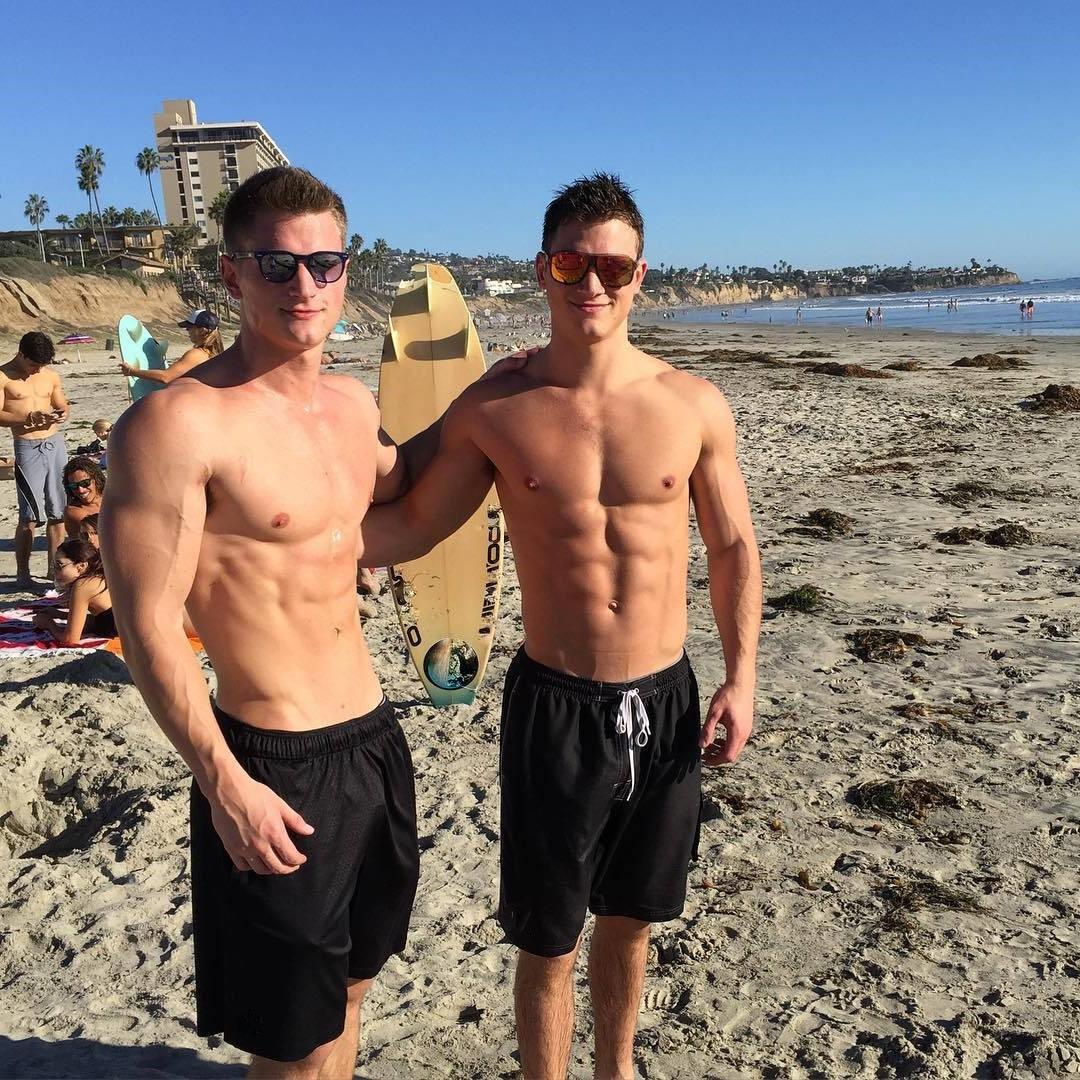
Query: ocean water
(994, 310)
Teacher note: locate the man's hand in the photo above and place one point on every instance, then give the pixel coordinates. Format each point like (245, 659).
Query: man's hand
(731, 708)
(513, 362)
(254, 824)
(37, 419)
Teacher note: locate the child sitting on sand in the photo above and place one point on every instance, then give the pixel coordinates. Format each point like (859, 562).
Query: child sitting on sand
(78, 574)
(98, 448)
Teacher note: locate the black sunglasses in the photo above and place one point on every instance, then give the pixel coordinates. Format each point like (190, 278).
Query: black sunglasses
(75, 485)
(281, 266)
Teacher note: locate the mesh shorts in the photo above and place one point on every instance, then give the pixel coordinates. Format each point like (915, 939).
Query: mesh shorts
(601, 800)
(273, 953)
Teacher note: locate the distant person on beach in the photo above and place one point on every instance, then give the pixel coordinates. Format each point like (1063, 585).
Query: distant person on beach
(878, 314)
(253, 474)
(33, 405)
(869, 316)
(205, 337)
(597, 450)
(84, 483)
(85, 596)
(1031, 309)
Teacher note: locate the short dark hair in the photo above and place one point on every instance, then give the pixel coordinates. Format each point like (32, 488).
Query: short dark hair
(37, 347)
(284, 189)
(591, 199)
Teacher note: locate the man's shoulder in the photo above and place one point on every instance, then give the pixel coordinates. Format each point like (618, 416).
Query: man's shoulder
(186, 409)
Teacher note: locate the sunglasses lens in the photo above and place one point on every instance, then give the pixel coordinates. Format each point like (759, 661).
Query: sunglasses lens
(615, 271)
(277, 266)
(568, 267)
(326, 266)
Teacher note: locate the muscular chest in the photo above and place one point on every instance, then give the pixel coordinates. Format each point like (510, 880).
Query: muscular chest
(626, 454)
(295, 482)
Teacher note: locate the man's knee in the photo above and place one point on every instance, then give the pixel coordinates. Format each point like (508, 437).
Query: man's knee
(302, 1069)
(619, 926)
(25, 527)
(547, 969)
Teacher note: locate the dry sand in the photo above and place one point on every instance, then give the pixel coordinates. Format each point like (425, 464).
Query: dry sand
(931, 938)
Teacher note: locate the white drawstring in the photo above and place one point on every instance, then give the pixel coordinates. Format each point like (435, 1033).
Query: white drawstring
(631, 712)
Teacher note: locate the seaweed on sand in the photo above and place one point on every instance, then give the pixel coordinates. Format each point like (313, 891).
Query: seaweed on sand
(877, 645)
(904, 800)
(1057, 397)
(847, 371)
(904, 365)
(812, 354)
(806, 598)
(1008, 535)
(823, 524)
(743, 356)
(905, 897)
(991, 362)
(966, 493)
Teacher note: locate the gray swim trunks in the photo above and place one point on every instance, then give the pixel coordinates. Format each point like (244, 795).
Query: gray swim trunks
(39, 478)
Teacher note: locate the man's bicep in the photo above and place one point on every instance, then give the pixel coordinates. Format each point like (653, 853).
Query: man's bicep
(716, 484)
(152, 517)
(391, 476)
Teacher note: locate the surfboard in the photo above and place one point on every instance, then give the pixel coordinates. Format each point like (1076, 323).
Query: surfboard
(140, 349)
(448, 600)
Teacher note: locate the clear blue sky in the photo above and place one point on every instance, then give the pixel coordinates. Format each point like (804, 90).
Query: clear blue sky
(823, 134)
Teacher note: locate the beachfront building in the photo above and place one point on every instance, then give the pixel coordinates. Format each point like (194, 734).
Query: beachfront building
(74, 247)
(495, 287)
(198, 160)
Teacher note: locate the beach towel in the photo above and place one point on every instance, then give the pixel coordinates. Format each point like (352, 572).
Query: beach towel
(19, 638)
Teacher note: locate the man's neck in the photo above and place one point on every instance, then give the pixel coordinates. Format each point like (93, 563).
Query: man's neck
(293, 375)
(584, 362)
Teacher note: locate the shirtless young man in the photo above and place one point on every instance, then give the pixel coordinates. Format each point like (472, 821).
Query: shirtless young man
(597, 450)
(33, 405)
(239, 492)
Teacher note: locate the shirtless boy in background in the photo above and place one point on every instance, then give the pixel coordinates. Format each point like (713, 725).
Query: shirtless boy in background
(33, 405)
(597, 450)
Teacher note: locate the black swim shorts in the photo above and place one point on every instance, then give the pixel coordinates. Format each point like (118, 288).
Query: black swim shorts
(273, 952)
(601, 800)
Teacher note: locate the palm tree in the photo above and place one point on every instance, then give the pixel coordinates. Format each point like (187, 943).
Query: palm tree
(148, 161)
(90, 162)
(63, 220)
(216, 211)
(379, 250)
(35, 210)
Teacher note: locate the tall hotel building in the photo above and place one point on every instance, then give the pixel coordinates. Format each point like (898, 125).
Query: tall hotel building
(198, 160)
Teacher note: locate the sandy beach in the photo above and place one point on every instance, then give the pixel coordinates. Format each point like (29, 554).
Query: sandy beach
(889, 877)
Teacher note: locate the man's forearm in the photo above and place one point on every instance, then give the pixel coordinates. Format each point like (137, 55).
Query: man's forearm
(735, 591)
(390, 535)
(168, 676)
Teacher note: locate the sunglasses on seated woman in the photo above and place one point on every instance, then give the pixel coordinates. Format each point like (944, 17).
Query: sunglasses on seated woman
(570, 267)
(281, 266)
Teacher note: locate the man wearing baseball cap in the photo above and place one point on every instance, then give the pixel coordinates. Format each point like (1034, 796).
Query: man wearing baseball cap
(202, 328)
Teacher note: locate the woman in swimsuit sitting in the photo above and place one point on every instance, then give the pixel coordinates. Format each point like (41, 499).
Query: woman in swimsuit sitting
(89, 607)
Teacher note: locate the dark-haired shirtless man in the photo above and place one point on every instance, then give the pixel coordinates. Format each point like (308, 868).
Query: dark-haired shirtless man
(598, 451)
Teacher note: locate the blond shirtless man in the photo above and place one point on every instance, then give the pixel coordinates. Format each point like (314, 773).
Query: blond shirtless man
(33, 405)
(239, 491)
(598, 451)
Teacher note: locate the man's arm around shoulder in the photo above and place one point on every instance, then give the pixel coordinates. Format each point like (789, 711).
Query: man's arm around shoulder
(151, 528)
(723, 516)
(442, 498)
